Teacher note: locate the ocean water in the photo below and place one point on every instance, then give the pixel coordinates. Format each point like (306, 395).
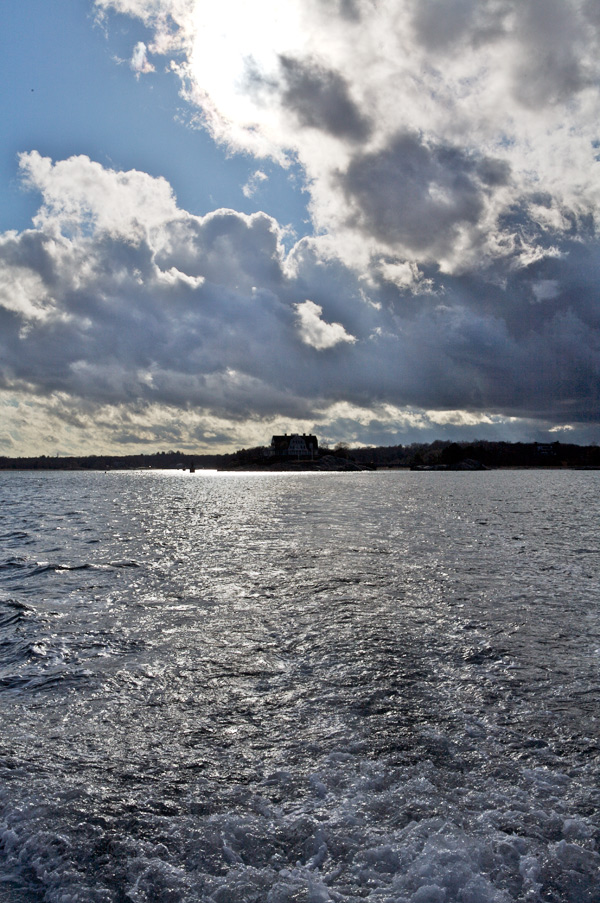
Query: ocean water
(320, 687)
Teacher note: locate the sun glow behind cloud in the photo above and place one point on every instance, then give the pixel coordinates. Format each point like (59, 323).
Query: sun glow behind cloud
(233, 42)
(508, 92)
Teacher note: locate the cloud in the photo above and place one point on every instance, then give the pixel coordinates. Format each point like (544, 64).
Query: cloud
(139, 60)
(254, 182)
(169, 20)
(463, 109)
(416, 199)
(315, 332)
(450, 154)
(136, 302)
(119, 300)
(320, 99)
(81, 196)
(545, 289)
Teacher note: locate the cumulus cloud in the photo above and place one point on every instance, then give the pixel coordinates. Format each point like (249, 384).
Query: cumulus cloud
(134, 304)
(80, 196)
(315, 332)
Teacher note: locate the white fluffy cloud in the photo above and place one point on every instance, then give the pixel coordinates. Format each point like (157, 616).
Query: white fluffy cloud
(80, 196)
(315, 332)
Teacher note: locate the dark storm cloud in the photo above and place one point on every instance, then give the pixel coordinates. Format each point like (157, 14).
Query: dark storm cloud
(32, 252)
(551, 68)
(441, 25)
(250, 247)
(493, 172)
(320, 98)
(550, 39)
(418, 196)
(591, 10)
(350, 9)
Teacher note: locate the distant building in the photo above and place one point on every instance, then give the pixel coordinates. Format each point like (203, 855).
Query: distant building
(296, 445)
(547, 448)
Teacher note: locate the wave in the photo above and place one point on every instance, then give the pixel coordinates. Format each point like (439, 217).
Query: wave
(125, 563)
(45, 681)
(17, 563)
(45, 567)
(14, 534)
(13, 612)
(14, 563)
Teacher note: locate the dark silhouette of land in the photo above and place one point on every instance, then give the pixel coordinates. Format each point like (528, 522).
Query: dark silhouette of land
(438, 455)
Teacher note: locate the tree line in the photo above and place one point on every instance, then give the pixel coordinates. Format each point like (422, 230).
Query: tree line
(435, 454)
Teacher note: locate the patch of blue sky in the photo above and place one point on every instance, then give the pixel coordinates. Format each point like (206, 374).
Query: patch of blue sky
(64, 94)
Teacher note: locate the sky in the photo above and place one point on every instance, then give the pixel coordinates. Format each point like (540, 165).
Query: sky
(373, 220)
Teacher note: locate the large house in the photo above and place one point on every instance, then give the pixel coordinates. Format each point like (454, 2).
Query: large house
(296, 445)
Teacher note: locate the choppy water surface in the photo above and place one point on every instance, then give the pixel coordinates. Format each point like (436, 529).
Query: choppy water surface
(323, 687)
